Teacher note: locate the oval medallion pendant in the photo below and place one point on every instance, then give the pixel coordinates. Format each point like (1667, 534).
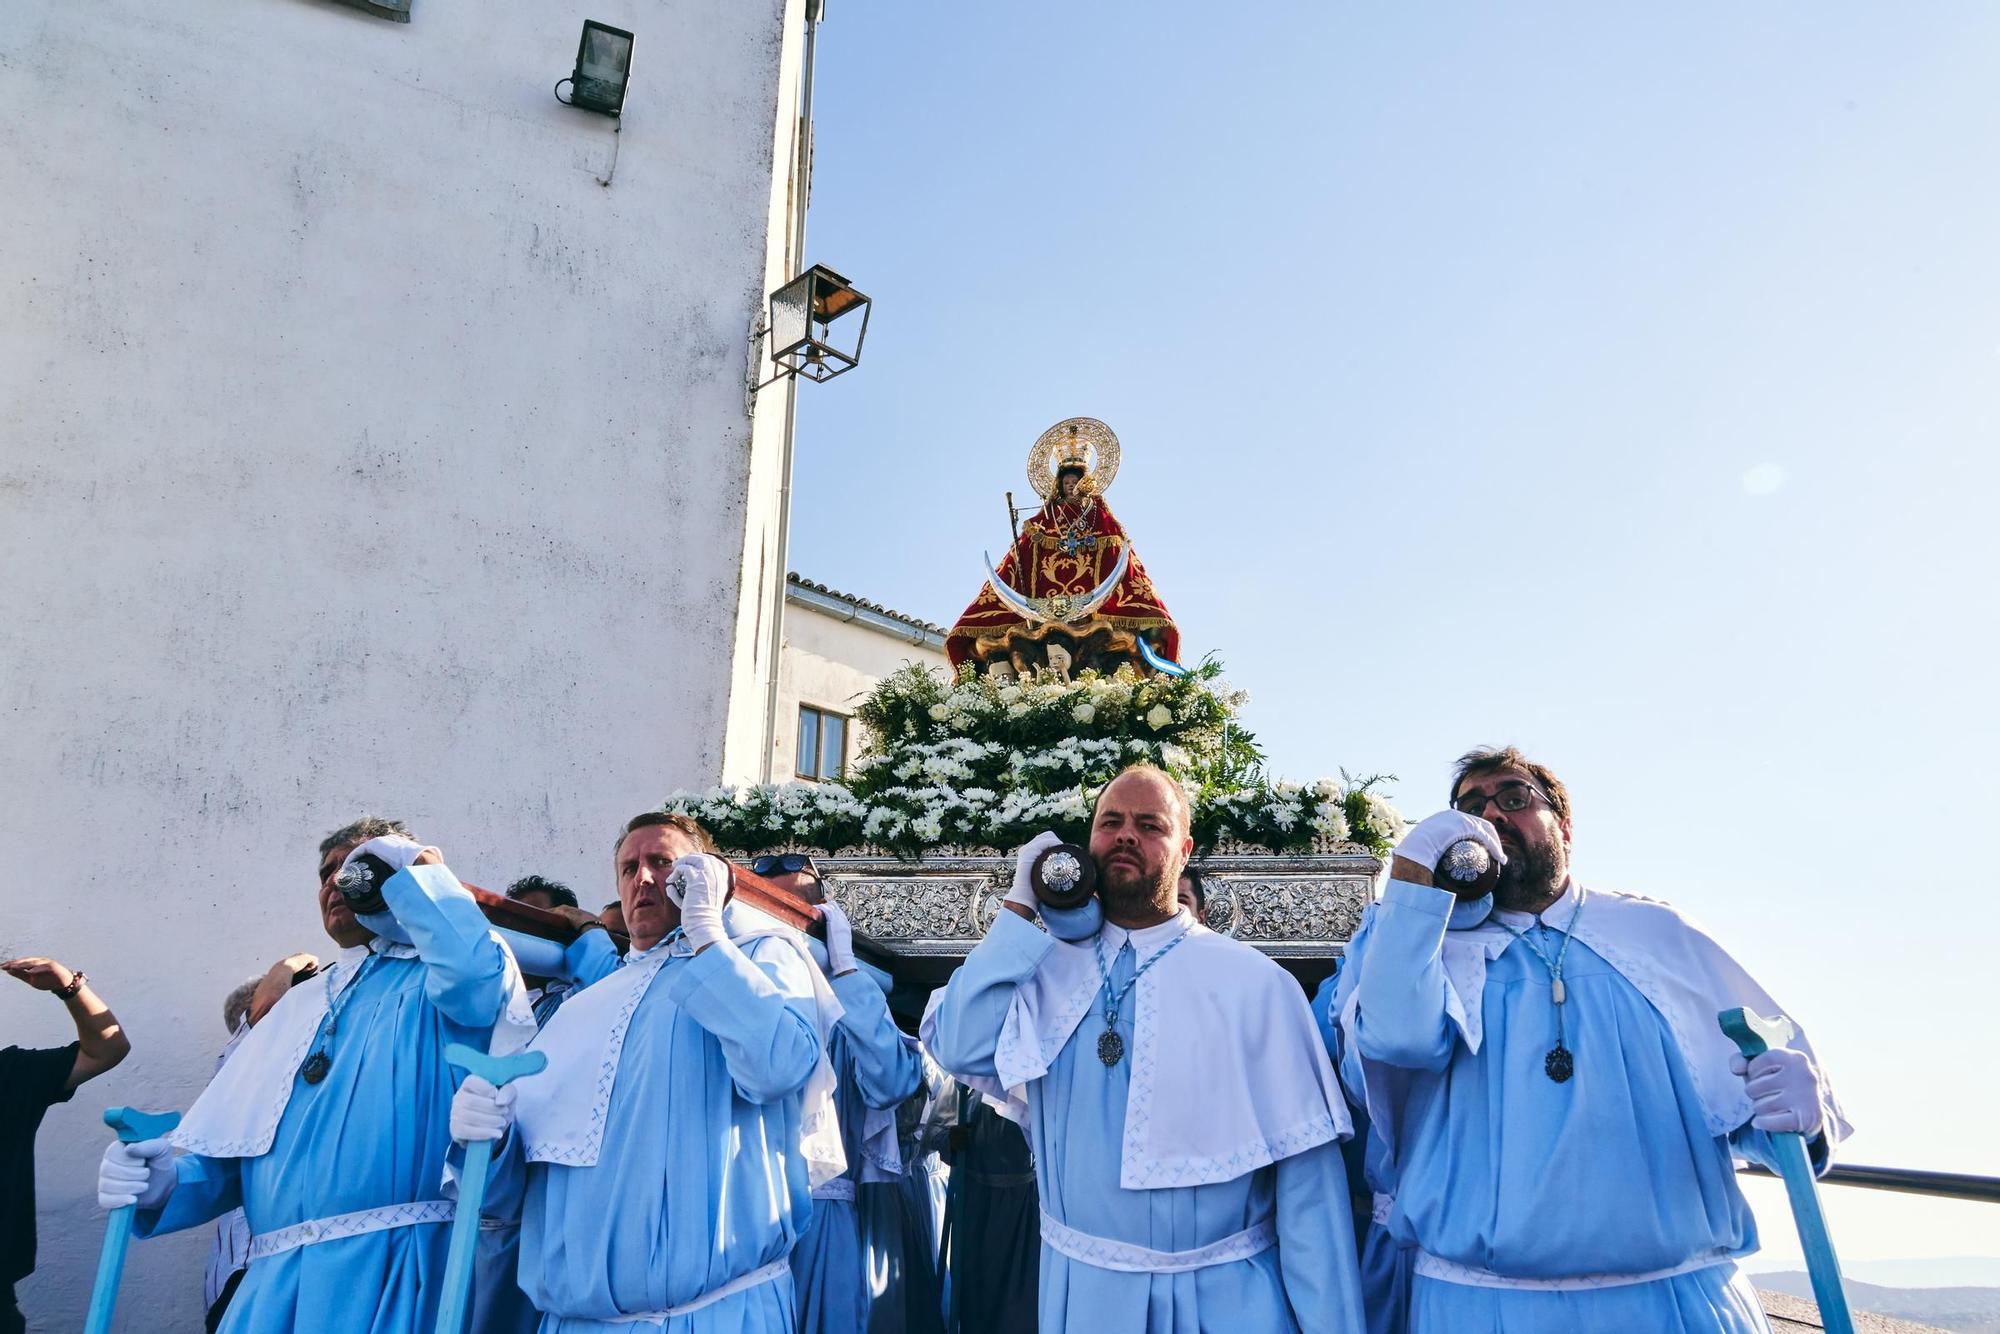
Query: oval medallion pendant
(1559, 1064)
(315, 1067)
(1110, 1047)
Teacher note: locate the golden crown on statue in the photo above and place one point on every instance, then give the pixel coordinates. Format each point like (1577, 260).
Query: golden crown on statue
(1078, 442)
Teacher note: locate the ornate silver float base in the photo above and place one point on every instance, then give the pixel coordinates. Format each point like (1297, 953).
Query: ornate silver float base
(1296, 906)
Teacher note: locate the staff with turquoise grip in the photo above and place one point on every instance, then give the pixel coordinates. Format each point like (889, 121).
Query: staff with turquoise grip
(1754, 1035)
(131, 1127)
(499, 1071)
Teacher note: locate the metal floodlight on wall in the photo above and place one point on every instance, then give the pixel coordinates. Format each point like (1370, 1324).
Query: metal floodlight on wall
(801, 313)
(603, 68)
(396, 10)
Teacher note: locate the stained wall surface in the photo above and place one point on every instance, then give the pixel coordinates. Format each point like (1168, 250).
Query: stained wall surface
(360, 450)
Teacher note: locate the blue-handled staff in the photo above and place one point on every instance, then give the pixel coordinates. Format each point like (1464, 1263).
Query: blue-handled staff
(499, 1071)
(130, 1126)
(1754, 1035)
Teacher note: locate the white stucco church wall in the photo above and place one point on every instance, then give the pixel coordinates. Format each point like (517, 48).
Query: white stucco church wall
(362, 452)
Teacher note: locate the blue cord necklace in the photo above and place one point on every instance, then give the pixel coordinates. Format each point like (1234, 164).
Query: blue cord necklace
(1111, 1047)
(1559, 1064)
(320, 1062)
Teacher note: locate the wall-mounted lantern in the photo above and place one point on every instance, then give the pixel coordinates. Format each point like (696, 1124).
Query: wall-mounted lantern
(395, 10)
(801, 313)
(603, 68)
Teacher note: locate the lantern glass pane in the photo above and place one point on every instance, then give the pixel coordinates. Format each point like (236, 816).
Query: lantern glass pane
(790, 308)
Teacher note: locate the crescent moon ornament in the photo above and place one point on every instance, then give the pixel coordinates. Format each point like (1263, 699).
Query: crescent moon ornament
(1067, 610)
(1025, 607)
(1084, 437)
(1095, 599)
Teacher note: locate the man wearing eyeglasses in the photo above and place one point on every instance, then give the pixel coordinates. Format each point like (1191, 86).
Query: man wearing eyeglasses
(1559, 1105)
(876, 1068)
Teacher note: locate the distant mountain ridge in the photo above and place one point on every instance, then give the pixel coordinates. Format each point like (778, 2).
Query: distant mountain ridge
(1955, 1271)
(1948, 1271)
(1962, 1310)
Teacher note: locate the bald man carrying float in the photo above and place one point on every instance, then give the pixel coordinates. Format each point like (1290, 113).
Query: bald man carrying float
(1189, 1168)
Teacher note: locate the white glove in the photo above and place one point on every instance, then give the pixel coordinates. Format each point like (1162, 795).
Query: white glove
(481, 1112)
(1783, 1088)
(1023, 891)
(394, 849)
(699, 883)
(1428, 839)
(140, 1173)
(839, 940)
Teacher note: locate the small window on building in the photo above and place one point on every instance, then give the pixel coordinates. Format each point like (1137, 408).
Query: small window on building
(822, 744)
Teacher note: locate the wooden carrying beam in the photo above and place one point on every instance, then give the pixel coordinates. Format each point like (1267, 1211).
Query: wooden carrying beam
(754, 890)
(745, 887)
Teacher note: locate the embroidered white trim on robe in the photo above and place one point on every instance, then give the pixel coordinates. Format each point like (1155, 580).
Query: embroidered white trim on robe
(820, 1143)
(237, 1115)
(990, 1092)
(1684, 974)
(881, 1151)
(1247, 1080)
(560, 1113)
(881, 1144)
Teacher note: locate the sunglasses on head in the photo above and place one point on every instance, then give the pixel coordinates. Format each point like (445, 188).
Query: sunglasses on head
(784, 863)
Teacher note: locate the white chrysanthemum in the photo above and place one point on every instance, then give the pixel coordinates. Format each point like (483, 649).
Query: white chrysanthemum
(832, 799)
(1330, 821)
(1387, 821)
(883, 822)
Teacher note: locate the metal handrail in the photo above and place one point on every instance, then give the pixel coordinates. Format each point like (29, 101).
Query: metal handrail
(1907, 1180)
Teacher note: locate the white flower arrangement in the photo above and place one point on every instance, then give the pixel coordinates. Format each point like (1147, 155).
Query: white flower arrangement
(972, 763)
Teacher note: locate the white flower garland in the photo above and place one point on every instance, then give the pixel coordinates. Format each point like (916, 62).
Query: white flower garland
(969, 763)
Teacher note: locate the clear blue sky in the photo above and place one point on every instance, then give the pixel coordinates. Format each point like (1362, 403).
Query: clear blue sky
(1621, 384)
